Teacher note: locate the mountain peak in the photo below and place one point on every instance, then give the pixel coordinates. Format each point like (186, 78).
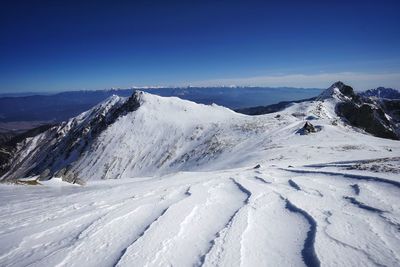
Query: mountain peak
(338, 84)
(337, 90)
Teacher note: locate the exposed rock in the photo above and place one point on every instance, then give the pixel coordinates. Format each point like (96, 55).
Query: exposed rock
(8, 148)
(307, 129)
(367, 116)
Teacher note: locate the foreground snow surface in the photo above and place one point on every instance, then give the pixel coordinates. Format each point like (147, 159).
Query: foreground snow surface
(269, 216)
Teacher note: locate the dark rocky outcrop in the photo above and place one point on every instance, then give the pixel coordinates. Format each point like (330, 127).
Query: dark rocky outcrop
(345, 90)
(257, 166)
(392, 108)
(307, 129)
(370, 115)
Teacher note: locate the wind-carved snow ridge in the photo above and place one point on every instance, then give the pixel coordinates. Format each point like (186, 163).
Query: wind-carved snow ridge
(243, 190)
(347, 245)
(258, 178)
(160, 215)
(308, 252)
(213, 254)
(362, 205)
(140, 235)
(294, 185)
(351, 176)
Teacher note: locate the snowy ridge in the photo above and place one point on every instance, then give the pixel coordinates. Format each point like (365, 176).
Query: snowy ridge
(117, 138)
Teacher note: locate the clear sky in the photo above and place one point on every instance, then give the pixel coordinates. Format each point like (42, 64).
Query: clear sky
(71, 45)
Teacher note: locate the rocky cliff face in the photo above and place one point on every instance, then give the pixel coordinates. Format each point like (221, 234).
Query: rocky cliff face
(370, 117)
(9, 147)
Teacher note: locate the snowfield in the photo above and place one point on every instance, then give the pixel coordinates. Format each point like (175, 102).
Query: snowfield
(191, 193)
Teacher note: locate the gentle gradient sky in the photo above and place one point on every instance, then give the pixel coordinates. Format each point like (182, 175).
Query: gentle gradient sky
(71, 45)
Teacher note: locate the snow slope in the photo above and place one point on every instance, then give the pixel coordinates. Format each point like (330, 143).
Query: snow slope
(327, 198)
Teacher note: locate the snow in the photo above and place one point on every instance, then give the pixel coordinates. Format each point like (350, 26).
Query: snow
(226, 218)
(190, 195)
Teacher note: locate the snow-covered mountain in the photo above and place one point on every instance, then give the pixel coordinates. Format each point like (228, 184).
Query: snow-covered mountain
(209, 186)
(377, 116)
(374, 115)
(151, 135)
(382, 92)
(115, 140)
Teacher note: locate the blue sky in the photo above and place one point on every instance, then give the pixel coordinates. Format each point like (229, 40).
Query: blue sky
(72, 45)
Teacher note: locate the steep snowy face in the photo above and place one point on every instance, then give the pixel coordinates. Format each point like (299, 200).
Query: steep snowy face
(166, 135)
(56, 149)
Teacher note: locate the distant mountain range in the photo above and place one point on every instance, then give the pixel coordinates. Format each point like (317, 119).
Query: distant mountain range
(382, 92)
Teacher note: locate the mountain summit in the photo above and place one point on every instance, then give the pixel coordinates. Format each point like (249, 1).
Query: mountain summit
(338, 90)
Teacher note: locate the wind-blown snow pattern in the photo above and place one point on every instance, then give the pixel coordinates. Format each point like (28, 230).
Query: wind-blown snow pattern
(190, 193)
